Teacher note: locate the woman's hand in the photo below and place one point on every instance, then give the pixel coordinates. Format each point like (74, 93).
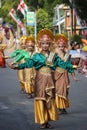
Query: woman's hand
(75, 66)
(76, 79)
(12, 66)
(6, 57)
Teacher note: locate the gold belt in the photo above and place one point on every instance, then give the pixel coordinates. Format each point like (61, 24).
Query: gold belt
(45, 70)
(60, 70)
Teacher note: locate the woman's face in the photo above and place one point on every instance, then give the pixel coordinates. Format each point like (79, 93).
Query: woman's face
(30, 45)
(45, 46)
(60, 46)
(23, 44)
(76, 47)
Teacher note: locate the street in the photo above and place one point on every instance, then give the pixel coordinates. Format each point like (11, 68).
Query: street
(17, 112)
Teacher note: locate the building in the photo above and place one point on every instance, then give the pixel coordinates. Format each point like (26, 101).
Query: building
(66, 21)
(59, 19)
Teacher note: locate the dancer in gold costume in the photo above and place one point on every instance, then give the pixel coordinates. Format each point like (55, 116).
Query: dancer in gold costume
(62, 82)
(30, 73)
(44, 102)
(18, 55)
(26, 76)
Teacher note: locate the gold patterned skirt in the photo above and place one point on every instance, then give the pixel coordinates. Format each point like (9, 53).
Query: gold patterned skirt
(62, 84)
(43, 114)
(30, 74)
(44, 103)
(21, 79)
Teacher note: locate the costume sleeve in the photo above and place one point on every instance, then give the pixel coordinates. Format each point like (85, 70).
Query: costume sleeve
(23, 55)
(15, 53)
(62, 64)
(26, 55)
(28, 64)
(37, 61)
(19, 57)
(70, 70)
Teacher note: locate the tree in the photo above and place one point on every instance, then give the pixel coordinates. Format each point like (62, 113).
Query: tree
(35, 4)
(81, 8)
(6, 7)
(43, 20)
(76, 38)
(46, 5)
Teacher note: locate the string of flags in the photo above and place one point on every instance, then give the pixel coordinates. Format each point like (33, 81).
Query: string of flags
(15, 18)
(23, 8)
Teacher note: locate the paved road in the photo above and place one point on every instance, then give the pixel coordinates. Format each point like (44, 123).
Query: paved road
(17, 113)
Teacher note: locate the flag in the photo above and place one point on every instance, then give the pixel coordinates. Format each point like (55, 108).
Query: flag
(14, 16)
(21, 10)
(24, 6)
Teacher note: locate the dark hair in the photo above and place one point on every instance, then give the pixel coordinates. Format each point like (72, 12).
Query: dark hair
(74, 43)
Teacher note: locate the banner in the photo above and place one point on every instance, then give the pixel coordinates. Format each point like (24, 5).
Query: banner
(30, 18)
(21, 10)
(13, 15)
(23, 5)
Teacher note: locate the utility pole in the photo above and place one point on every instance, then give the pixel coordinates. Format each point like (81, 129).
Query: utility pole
(74, 23)
(71, 12)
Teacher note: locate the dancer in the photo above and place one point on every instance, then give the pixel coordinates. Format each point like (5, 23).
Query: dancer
(61, 77)
(18, 55)
(30, 73)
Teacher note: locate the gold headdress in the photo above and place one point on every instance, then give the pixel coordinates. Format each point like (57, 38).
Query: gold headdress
(22, 38)
(61, 37)
(45, 35)
(20, 41)
(30, 38)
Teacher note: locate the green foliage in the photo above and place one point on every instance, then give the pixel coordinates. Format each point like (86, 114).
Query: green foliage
(81, 8)
(7, 5)
(45, 18)
(42, 20)
(30, 30)
(35, 4)
(76, 38)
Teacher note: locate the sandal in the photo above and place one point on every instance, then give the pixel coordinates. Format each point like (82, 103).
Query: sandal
(62, 111)
(43, 126)
(29, 96)
(48, 126)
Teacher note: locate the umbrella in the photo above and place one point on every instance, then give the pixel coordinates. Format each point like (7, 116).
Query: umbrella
(74, 54)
